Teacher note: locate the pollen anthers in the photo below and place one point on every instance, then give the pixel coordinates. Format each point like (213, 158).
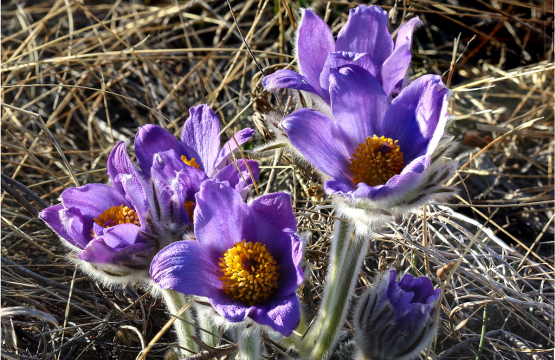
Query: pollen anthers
(191, 162)
(376, 160)
(190, 208)
(117, 215)
(250, 272)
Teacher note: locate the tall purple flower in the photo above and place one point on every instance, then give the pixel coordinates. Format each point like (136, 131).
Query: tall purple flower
(364, 41)
(245, 259)
(199, 149)
(382, 157)
(113, 232)
(396, 320)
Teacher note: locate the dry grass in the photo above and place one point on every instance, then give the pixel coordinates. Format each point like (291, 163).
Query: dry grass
(79, 77)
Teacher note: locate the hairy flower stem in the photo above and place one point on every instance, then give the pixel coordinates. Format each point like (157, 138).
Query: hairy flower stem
(249, 344)
(346, 257)
(206, 323)
(175, 301)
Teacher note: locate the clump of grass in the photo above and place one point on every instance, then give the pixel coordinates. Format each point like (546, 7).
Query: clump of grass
(77, 78)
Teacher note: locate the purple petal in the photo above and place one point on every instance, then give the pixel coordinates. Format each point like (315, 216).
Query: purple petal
(394, 70)
(150, 140)
(275, 226)
(416, 116)
(358, 103)
(234, 176)
(201, 133)
(314, 42)
(288, 79)
(232, 310)
(139, 195)
(339, 185)
(397, 296)
(282, 315)
(319, 140)
(164, 169)
(405, 32)
(186, 185)
(339, 58)
(119, 163)
(92, 199)
(395, 187)
(221, 218)
(421, 287)
(366, 32)
(184, 267)
(240, 137)
(68, 224)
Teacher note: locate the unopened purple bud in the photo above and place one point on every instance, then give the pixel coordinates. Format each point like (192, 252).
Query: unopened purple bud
(396, 320)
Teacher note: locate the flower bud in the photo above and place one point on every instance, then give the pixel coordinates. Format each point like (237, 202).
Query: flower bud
(396, 320)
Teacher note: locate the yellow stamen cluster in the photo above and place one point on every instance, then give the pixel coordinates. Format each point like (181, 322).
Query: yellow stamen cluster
(191, 162)
(250, 272)
(117, 215)
(376, 160)
(189, 207)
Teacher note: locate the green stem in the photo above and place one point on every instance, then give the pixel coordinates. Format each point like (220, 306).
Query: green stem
(206, 323)
(333, 317)
(483, 335)
(341, 239)
(175, 301)
(249, 345)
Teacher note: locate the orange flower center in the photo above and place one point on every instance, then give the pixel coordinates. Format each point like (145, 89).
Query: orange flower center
(250, 272)
(189, 207)
(376, 160)
(117, 215)
(191, 162)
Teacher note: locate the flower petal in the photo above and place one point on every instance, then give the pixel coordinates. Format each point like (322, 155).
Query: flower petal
(358, 103)
(150, 140)
(395, 187)
(240, 137)
(416, 116)
(396, 295)
(339, 185)
(68, 224)
(366, 32)
(394, 70)
(184, 267)
(237, 173)
(421, 287)
(319, 140)
(314, 42)
(288, 79)
(282, 314)
(405, 32)
(232, 310)
(339, 58)
(221, 218)
(92, 199)
(201, 133)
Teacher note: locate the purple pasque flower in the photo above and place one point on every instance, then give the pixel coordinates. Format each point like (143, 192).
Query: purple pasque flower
(199, 149)
(364, 41)
(382, 157)
(396, 320)
(114, 231)
(245, 259)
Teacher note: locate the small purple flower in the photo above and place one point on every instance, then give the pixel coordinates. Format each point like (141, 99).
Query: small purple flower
(114, 231)
(396, 320)
(199, 149)
(245, 259)
(364, 41)
(383, 157)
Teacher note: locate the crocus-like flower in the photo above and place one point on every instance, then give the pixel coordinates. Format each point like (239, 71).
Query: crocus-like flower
(245, 259)
(199, 148)
(364, 41)
(113, 232)
(383, 157)
(396, 320)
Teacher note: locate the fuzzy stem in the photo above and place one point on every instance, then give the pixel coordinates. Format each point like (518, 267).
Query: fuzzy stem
(339, 290)
(175, 301)
(249, 345)
(206, 323)
(341, 238)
